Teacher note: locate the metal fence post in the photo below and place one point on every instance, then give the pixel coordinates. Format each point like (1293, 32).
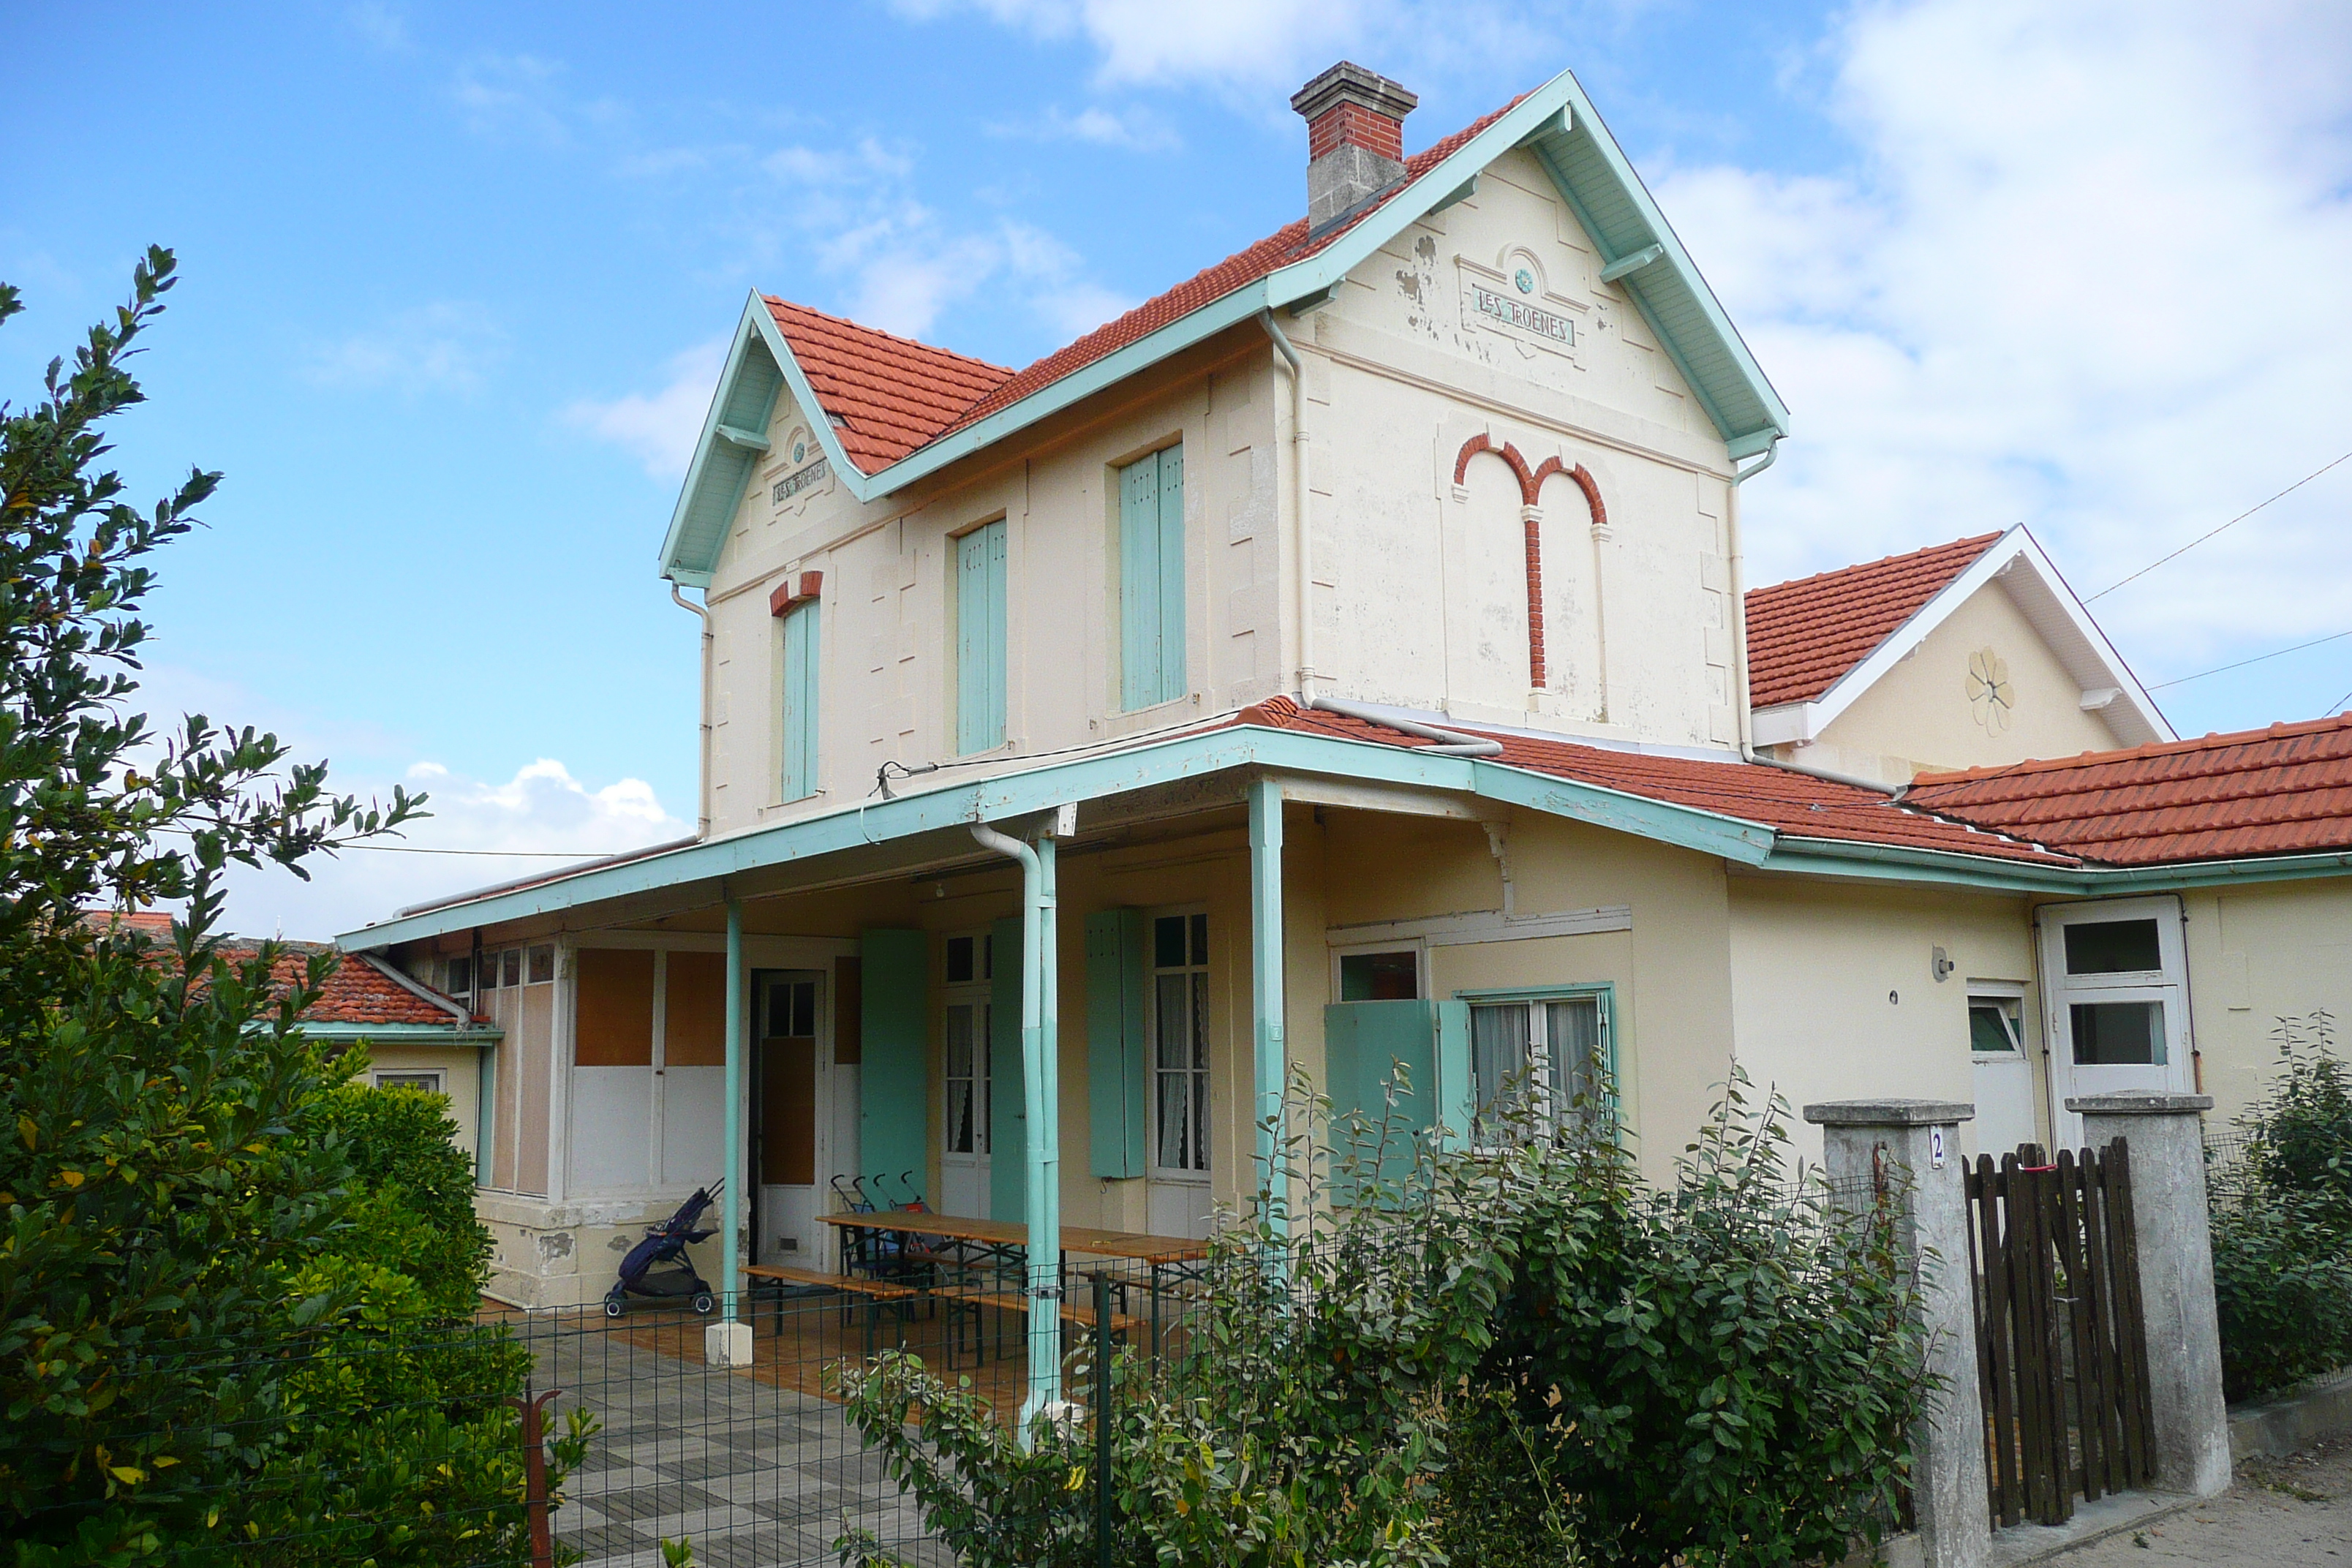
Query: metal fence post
(534, 1473)
(1102, 1421)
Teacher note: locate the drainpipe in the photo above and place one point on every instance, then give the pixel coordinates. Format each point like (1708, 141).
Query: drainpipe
(1039, 1090)
(1742, 709)
(1451, 742)
(1265, 980)
(731, 1210)
(702, 801)
(1305, 554)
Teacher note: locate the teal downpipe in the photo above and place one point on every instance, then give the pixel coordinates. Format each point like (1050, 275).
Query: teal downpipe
(731, 1208)
(1265, 972)
(1039, 1091)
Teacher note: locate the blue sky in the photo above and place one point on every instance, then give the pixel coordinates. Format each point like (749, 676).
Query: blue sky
(455, 278)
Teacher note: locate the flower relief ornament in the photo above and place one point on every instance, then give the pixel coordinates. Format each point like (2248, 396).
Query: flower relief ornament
(1991, 696)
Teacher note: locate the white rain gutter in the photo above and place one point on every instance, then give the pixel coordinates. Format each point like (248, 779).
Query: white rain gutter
(1041, 1097)
(1451, 742)
(702, 798)
(1305, 551)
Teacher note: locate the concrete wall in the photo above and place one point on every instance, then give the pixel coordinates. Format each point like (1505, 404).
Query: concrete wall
(1918, 716)
(1836, 998)
(2256, 955)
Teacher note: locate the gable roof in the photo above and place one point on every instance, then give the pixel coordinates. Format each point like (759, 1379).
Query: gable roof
(1798, 804)
(1804, 636)
(2285, 790)
(894, 409)
(1816, 644)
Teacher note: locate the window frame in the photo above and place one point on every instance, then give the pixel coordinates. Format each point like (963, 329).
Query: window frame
(977, 993)
(1555, 1116)
(1418, 946)
(1203, 1077)
(440, 1076)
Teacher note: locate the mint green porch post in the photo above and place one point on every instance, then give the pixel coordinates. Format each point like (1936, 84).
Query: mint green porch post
(731, 1208)
(1266, 968)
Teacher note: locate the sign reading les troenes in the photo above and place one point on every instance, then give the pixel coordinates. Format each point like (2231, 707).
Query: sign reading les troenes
(1519, 313)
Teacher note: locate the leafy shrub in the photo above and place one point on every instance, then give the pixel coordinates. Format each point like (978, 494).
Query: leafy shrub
(2282, 1221)
(225, 1276)
(1519, 1354)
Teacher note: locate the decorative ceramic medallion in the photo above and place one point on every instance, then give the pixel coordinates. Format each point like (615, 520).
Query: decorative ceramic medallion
(1525, 280)
(1991, 696)
(800, 451)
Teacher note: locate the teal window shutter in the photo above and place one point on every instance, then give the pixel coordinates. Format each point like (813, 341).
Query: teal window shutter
(1456, 1096)
(894, 1077)
(799, 716)
(1363, 1043)
(1116, 1068)
(980, 639)
(1008, 1115)
(1151, 579)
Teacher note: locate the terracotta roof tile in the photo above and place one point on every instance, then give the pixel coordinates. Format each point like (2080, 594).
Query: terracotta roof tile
(891, 396)
(1802, 636)
(1790, 802)
(357, 993)
(2280, 791)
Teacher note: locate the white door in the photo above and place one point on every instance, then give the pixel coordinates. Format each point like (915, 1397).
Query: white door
(2004, 1077)
(2116, 975)
(1179, 1200)
(963, 1149)
(787, 1129)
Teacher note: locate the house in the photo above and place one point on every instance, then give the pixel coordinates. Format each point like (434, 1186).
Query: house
(1340, 658)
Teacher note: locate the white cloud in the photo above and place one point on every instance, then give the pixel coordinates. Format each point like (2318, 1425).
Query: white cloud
(659, 428)
(442, 347)
(379, 25)
(904, 264)
(521, 96)
(510, 829)
(2085, 272)
(1134, 130)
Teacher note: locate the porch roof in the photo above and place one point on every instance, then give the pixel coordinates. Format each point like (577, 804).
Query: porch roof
(1750, 814)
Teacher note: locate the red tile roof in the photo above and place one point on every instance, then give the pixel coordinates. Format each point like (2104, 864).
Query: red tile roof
(889, 396)
(1790, 802)
(357, 993)
(1804, 637)
(2280, 791)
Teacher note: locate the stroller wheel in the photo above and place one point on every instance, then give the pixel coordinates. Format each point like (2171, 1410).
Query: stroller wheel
(704, 1302)
(614, 1305)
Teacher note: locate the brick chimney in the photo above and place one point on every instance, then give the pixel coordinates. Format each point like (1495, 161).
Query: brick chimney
(1355, 140)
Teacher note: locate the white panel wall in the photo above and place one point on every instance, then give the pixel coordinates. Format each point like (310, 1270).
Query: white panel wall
(612, 1108)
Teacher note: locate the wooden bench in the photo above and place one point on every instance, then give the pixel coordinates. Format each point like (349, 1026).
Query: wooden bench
(1123, 1324)
(875, 1292)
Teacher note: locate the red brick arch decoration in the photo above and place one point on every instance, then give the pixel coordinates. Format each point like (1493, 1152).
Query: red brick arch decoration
(1530, 493)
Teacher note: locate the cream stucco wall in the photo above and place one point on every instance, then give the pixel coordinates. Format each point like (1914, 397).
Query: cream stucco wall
(1918, 717)
(461, 1078)
(2256, 955)
(1836, 998)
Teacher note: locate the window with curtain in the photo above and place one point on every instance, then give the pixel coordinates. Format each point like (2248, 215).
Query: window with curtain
(980, 639)
(1151, 579)
(1179, 1044)
(1539, 1058)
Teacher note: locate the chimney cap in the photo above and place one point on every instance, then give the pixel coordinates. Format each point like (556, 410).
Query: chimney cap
(1348, 82)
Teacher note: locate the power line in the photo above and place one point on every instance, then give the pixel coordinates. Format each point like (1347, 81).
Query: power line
(2209, 533)
(2275, 653)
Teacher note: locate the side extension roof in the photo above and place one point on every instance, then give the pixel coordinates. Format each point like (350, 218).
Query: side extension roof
(894, 410)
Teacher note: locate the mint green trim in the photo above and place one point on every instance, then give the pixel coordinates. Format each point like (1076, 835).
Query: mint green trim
(1606, 990)
(1556, 121)
(721, 469)
(1179, 758)
(1878, 862)
(406, 1034)
(732, 1206)
(743, 438)
(1270, 1057)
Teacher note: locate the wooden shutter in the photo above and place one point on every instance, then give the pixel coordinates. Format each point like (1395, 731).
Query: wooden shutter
(1008, 1116)
(799, 717)
(1151, 579)
(1457, 1097)
(980, 639)
(1117, 1072)
(894, 1080)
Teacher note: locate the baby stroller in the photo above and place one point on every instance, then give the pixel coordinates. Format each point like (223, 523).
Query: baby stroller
(657, 1267)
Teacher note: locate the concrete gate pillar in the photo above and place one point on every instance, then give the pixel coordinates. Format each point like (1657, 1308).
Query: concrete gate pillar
(2167, 1138)
(1915, 1143)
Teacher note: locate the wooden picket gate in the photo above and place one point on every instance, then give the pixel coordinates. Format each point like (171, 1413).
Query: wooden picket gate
(2062, 1343)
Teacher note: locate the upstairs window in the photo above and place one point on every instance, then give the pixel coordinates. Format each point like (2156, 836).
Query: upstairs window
(1151, 579)
(799, 700)
(980, 639)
